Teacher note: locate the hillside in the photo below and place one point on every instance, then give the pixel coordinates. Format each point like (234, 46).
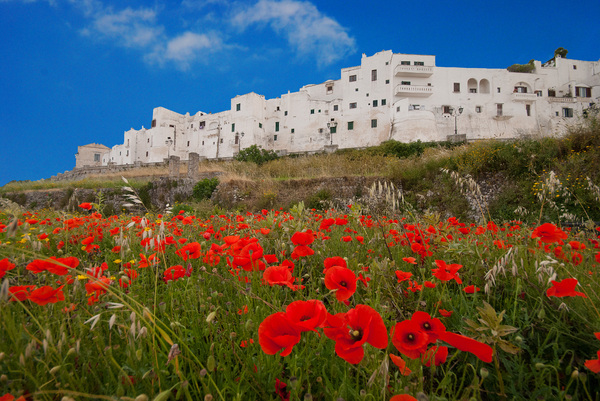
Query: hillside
(555, 179)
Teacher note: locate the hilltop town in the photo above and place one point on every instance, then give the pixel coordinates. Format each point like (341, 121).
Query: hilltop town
(389, 96)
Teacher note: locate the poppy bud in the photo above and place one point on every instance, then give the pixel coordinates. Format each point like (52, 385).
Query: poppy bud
(575, 374)
(308, 397)
(232, 335)
(211, 316)
(203, 373)
(141, 397)
(541, 314)
(483, 372)
(211, 363)
(539, 366)
(3, 379)
(208, 397)
(1, 356)
(67, 398)
(55, 370)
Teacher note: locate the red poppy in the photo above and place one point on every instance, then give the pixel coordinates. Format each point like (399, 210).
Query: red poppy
(46, 295)
(471, 289)
(277, 333)
(341, 279)
(479, 349)
(334, 261)
(306, 315)
(191, 251)
(281, 391)
(445, 313)
(549, 233)
(437, 355)
(403, 397)
(433, 327)
(303, 238)
(279, 275)
(5, 265)
(401, 364)
(20, 292)
(86, 206)
(174, 273)
(58, 266)
(564, 288)
(403, 276)
(446, 272)
(593, 364)
(353, 329)
(410, 260)
(409, 338)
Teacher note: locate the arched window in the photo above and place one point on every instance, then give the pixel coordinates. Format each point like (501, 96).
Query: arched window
(484, 86)
(472, 85)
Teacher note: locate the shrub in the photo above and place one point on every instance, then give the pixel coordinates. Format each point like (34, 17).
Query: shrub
(205, 188)
(256, 155)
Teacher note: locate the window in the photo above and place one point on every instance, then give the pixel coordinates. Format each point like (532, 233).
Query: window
(405, 83)
(312, 111)
(238, 107)
(202, 145)
(335, 107)
(237, 139)
(477, 109)
(276, 126)
(353, 105)
(374, 103)
(538, 93)
(355, 89)
(567, 112)
(96, 157)
(373, 75)
(404, 62)
(329, 89)
(528, 110)
(574, 67)
(202, 124)
(285, 113)
(387, 81)
(153, 124)
(473, 90)
(259, 125)
(383, 102)
(233, 127)
(398, 108)
(387, 63)
(352, 78)
(333, 129)
(551, 93)
(419, 63)
(274, 137)
(498, 90)
(499, 109)
(447, 109)
(374, 123)
(350, 125)
(319, 110)
(456, 87)
(293, 130)
(520, 89)
(188, 143)
(278, 109)
(221, 140)
(147, 152)
(583, 92)
(148, 140)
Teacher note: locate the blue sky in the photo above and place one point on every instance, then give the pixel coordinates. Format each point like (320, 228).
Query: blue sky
(73, 72)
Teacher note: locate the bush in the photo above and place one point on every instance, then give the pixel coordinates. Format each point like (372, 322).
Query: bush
(205, 188)
(256, 155)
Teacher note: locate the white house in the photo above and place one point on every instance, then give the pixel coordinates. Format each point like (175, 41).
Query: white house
(404, 97)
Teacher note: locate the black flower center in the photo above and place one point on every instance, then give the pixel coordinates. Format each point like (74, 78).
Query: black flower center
(356, 334)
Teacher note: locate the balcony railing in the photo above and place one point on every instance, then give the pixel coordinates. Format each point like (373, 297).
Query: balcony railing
(524, 97)
(414, 90)
(561, 99)
(413, 70)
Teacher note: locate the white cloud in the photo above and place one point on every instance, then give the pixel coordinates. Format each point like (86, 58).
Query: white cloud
(131, 28)
(304, 26)
(185, 49)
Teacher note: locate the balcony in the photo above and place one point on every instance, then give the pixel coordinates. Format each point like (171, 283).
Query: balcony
(413, 70)
(524, 97)
(413, 90)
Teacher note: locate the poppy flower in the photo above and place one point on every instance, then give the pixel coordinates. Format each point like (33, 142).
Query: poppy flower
(593, 364)
(303, 238)
(46, 295)
(479, 349)
(306, 315)
(445, 313)
(446, 272)
(436, 354)
(403, 397)
(409, 339)
(86, 206)
(5, 265)
(191, 251)
(549, 233)
(401, 364)
(410, 260)
(334, 261)
(403, 276)
(281, 391)
(564, 288)
(341, 279)
(471, 289)
(351, 330)
(20, 292)
(277, 333)
(432, 327)
(174, 273)
(279, 275)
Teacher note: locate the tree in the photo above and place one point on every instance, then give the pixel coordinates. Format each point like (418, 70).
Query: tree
(561, 51)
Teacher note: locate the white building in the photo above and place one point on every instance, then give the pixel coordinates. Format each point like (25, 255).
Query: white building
(404, 97)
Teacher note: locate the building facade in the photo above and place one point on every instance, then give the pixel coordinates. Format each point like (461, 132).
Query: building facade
(403, 97)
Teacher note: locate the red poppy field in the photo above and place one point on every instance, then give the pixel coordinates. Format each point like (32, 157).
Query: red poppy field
(299, 305)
